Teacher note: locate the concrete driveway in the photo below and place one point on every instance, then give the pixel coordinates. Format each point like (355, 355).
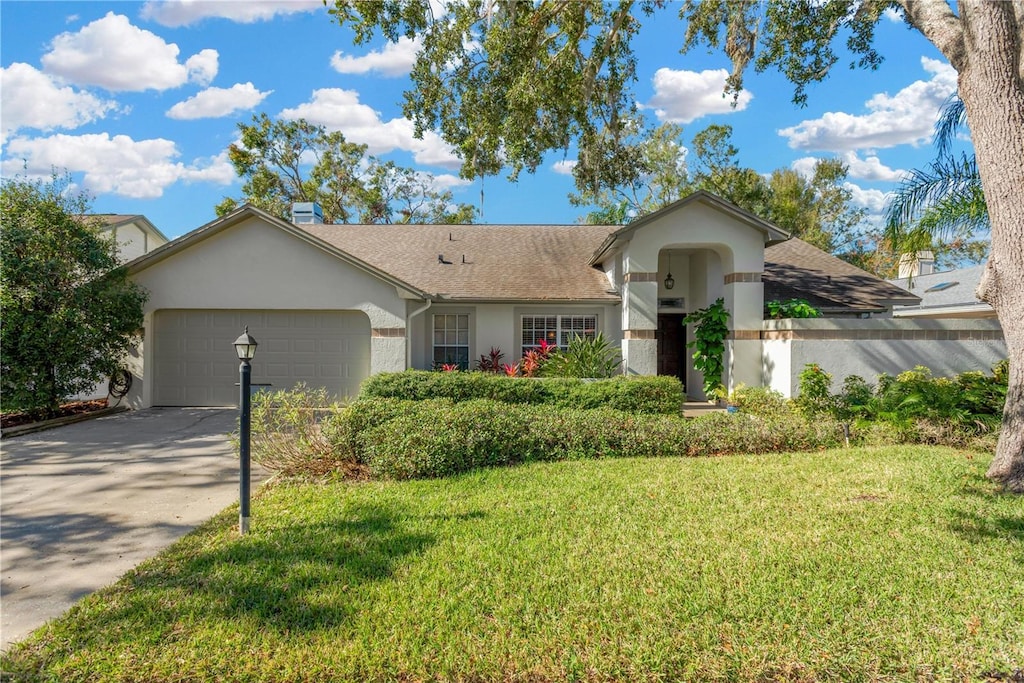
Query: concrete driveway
(80, 505)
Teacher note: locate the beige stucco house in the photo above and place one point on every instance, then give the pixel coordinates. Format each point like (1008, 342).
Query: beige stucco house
(134, 234)
(332, 304)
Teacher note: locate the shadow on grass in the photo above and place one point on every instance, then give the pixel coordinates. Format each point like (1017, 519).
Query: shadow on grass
(992, 523)
(294, 578)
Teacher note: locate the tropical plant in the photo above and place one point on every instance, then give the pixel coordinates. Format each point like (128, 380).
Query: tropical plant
(584, 357)
(941, 207)
(712, 327)
(491, 362)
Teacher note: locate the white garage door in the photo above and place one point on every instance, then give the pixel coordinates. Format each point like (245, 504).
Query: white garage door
(195, 362)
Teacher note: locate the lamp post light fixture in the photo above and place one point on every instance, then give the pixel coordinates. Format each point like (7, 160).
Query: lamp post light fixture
(245, 347)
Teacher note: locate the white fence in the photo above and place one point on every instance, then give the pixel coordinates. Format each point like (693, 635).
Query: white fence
(872, 346)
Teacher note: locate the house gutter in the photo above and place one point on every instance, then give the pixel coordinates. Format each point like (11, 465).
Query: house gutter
(408, 332)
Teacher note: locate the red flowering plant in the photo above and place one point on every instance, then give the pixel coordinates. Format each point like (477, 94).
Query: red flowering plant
(491, 362)
(449, 367)
(510, 369)
(535, 358)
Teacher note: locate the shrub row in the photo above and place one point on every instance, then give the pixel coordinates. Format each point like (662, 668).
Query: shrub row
(434, 438)
(634, 394)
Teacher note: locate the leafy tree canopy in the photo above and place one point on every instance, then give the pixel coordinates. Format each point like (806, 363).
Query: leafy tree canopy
(815, 209)
(283, 162)
(70, 314)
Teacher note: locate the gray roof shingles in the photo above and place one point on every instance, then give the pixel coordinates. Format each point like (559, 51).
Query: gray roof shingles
(550, 262)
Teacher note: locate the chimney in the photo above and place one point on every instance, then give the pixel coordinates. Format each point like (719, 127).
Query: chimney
(307, 212)
(919, 263)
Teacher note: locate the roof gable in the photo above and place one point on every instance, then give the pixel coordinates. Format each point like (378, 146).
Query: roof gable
(196, 237)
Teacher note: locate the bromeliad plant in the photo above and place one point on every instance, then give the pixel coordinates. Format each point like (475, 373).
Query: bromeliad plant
(491, 362)
(534, 359)
(712, 327)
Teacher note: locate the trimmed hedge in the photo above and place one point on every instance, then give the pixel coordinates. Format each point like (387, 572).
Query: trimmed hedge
(435, 438)
(635, 394)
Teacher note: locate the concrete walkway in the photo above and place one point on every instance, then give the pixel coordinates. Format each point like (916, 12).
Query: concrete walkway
(82, 504)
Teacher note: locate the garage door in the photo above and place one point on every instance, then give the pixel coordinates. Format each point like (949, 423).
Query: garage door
(195, 363)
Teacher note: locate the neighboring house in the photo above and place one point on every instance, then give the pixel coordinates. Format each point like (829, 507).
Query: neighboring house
(135, 235)
(950, 294)
(332, 304)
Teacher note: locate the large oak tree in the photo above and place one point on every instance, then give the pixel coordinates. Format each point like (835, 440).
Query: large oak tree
(506, 81)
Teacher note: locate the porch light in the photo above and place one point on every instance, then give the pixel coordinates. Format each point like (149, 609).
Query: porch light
(245, 346)
(669, 280)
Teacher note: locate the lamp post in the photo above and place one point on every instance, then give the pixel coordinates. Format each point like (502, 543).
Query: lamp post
(245, 347)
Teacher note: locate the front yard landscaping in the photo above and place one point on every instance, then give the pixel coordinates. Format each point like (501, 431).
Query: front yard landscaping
(895, 563)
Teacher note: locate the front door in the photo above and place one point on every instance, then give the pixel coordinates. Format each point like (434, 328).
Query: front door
(672, 345)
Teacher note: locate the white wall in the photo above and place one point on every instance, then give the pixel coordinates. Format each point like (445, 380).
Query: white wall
(867, 348)
(257, 266)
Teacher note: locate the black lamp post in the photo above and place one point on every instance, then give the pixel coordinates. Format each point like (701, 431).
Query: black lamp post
(245, 347)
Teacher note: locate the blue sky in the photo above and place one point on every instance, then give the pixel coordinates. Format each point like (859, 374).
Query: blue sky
(139, 100)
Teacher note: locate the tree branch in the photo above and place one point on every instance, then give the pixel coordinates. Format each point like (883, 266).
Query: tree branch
(940, 26)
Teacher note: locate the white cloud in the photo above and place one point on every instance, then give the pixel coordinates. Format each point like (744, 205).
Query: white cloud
(564, 167)
(904, 118)
(202, 66)
(113, 54)
(31, 99)
(393, 60)
(894, 15)
(805, 166)
(184, 12)
(217, 102)
(869, 168)
(140, 169)
(338, 109)
(872, 200)
(683, 96)
(447, 181)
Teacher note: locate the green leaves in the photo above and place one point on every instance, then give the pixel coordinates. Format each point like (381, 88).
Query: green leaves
(69, 311)
(712, 328)
(283, 162)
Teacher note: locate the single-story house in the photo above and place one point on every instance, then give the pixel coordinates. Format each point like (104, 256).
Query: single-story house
(333, 304)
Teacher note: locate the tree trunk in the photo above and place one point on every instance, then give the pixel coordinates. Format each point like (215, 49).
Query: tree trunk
(990, 85)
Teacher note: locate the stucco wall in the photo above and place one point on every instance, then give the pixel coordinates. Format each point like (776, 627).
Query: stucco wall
(873, 346)
(255, 265)
(499, 325)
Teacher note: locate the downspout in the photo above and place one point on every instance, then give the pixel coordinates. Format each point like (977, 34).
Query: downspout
(408, 333)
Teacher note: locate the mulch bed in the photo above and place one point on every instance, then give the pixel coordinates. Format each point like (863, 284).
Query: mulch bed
(75, 408)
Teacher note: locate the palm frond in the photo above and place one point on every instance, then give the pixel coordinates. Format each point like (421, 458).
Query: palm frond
(952, 119)
(946, 178)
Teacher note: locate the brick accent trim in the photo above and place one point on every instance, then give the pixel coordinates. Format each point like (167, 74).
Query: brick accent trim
(387, 332)
(732, 278)
(894, 335)
(742, 335)
(640, 276)
(638, 334)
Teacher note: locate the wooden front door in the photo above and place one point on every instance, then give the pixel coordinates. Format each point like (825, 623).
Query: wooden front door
(672, 345)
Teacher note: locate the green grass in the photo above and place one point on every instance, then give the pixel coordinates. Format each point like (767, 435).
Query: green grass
(863, 564)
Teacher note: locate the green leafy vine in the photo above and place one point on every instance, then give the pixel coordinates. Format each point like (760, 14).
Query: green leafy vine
(712, 327)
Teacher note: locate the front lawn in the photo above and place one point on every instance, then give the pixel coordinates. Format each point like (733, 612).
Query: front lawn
(862, 564)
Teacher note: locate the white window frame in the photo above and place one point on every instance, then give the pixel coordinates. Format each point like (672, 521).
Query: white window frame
(565, 328)
(450, 339)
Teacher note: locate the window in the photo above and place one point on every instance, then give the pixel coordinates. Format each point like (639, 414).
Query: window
(557, 330)
(451, 340)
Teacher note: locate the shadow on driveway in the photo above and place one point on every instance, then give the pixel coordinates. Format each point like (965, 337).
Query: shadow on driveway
(82, 504)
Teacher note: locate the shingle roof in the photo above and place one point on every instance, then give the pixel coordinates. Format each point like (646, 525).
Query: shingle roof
(962, 285)
(482, 262)
(549, 262)
(795, 269)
